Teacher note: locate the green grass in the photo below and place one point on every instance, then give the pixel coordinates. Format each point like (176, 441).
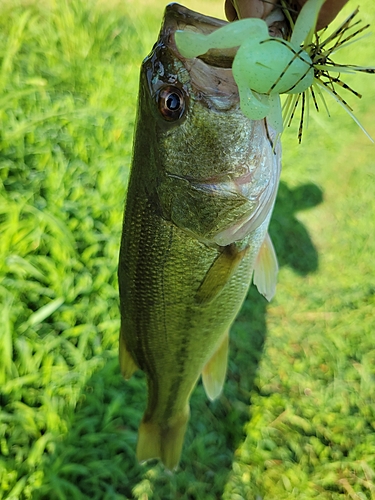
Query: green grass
(297, 417)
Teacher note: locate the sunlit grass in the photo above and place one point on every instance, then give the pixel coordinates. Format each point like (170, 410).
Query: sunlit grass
(301, 370)
(69, 86)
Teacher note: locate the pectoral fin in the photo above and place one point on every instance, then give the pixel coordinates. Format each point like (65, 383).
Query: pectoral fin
(220, 272)
(213, 374)
(127, 363)
(266, 269)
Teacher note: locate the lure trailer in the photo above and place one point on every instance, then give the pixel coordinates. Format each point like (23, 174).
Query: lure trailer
(300, 67)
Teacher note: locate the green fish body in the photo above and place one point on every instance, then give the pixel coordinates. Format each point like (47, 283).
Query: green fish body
(200, 196)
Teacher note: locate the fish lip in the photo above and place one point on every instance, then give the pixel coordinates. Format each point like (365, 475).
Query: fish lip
(178, 17)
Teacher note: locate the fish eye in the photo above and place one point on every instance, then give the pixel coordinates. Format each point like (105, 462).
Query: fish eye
(171, 103)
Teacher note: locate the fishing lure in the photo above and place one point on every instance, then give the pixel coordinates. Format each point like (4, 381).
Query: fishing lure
(265, 67)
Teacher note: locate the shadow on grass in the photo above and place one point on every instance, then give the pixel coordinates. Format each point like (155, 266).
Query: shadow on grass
(96, 459)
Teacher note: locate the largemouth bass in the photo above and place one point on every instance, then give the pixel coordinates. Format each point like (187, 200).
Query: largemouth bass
(202, 187)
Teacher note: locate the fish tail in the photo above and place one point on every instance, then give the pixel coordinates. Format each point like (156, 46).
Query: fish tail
(163, 440)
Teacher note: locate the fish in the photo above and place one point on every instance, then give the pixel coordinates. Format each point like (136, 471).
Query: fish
(201, 191)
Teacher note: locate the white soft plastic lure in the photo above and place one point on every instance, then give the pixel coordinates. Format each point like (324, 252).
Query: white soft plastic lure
(265, 67)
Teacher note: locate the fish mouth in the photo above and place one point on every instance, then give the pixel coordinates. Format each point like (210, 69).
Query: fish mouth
(178, 17)
(210, 73)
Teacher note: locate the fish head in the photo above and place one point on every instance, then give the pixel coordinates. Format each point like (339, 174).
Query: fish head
(210, 170)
